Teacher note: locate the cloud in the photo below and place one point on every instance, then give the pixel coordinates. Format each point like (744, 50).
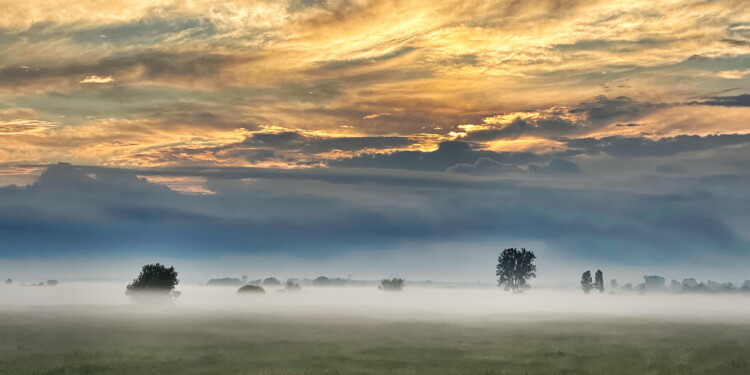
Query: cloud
(154, 66)
(74, 210)
(97, 79)
(668, 146)
(16, 127)
(556, 165)
(484, 166)
(671, 168)
(447, 155)
(726, 101)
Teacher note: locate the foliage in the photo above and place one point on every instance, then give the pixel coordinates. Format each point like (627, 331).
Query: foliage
(393, 285)
(154, 278)
(586, 283)
(292, 286)
(271, 281)
(251, 289)
(321, 281)
(654, 282)
(514, 267)
(599, 281)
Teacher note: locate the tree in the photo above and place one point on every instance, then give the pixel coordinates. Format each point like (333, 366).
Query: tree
(251, 289)
(321, 281)
(514, 267)
(586, 284)
(292, 286)
(613, 284)
(156, 279)
(654, 282)
(395, 284)
(271, 281)
(599, 280)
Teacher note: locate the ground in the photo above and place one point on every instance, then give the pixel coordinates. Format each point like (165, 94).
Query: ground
(118, 340)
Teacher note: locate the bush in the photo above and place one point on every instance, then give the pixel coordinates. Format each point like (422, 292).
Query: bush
(156, 280)
(251, 289)
(392, 285)
(51, 282)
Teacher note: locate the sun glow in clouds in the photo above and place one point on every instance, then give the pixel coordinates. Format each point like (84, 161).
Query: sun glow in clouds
(97, 79)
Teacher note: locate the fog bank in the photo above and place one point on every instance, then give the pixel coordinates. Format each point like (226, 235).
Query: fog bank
(411, 303)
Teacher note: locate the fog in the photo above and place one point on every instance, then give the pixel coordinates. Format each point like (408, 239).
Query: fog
(368, 302)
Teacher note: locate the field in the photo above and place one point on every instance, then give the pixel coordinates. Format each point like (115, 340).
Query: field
(124, 340)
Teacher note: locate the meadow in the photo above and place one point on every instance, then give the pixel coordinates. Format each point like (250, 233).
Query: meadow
(334, 337)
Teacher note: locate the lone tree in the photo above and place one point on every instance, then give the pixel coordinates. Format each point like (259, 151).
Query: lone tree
(586, 284)
(599, 280)
(514, 267)
(392, 285)
(154, 279)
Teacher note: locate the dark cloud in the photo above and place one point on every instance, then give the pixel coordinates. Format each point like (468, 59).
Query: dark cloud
(94, 210)
(726, 101)
(186, 65)
(556, 122)
(448, 154)
(484, 166)
(265, 146)
(549, 125)
(671, 168)
(556, 166)
(603, 110)
(641, 146)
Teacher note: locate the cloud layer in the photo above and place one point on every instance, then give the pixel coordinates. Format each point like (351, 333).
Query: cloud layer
(314, 127)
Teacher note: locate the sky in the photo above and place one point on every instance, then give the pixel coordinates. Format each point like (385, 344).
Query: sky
(375, 137)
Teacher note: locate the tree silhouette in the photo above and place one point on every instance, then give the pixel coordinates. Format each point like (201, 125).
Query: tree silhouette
(394, 284)
(271, 281)
(514, 267)
(154, 278)
(292, 286)
(599, 280)
(586, 284)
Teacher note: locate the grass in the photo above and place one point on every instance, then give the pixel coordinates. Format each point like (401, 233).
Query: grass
(111, 341)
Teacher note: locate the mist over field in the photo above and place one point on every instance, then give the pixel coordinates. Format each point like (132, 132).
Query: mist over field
(448, 187)
(456, 304)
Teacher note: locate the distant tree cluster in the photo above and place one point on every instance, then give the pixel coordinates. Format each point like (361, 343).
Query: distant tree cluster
(392, 285)
(292, 285)
(655, 283)
(587, 284)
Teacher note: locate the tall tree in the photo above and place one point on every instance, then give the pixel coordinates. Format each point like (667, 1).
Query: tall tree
(514, 267)
(586, 283)
(599, 280)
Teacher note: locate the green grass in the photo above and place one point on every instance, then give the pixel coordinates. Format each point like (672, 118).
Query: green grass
(112, 341)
